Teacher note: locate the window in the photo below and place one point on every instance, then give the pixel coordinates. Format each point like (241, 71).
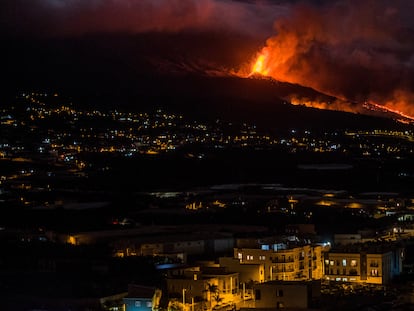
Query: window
(279, 293)
(149, 304)
(257, 294)
(353, 272)
(344, 262)
(374, 272)
(262, 257)
(249, 257)
(240, 256)
(331, 263)
(137, 303)
(374, 263)
(279, 305)
(353, 263)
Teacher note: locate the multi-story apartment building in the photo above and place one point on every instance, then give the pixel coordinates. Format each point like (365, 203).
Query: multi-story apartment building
(283, 262)
(363, 263)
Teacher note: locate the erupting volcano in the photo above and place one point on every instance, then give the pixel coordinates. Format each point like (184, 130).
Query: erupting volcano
(358, 54)
(355, 53)
(267, 66)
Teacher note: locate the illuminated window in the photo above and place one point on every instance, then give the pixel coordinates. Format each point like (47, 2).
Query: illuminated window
(344, 262)
(331, 263)
(149, 304)
(374, 272)
(353, 263)
(240, 256)
(137, 303)
(249, 257)
(262, 257)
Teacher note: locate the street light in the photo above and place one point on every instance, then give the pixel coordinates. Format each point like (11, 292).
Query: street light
(184, 298)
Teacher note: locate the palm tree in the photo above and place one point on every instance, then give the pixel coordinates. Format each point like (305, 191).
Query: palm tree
(214, 292)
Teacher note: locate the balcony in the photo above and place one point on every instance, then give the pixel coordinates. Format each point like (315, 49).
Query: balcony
(282, 260)
(283, 270)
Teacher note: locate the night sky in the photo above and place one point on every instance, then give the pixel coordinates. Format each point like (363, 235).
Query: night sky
(355, 50)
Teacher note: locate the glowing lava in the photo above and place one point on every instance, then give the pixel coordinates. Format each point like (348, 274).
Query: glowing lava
(371, 105)
(260, 65)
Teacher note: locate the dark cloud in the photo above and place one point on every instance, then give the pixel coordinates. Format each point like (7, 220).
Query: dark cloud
(72, 17)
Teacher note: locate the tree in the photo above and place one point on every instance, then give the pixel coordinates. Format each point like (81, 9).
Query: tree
(214, 292)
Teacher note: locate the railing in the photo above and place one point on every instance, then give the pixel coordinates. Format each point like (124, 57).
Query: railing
(282, 260)
(282, 270)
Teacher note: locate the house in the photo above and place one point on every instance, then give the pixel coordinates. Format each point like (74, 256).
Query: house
(142, 298)
(203, 287)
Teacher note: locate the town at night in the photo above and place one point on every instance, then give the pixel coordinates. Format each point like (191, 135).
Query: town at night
(207, 155)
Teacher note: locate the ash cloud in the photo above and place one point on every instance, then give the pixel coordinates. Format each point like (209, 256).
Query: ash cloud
(355, 50)
(77, 17)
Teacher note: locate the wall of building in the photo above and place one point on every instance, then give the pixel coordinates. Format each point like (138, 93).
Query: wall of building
(298, 263)
(363, 267)
(282, 296)
(247, 272)
(138, 304)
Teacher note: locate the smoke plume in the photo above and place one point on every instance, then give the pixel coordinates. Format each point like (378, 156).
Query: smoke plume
(355, 50)
(76, 17)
